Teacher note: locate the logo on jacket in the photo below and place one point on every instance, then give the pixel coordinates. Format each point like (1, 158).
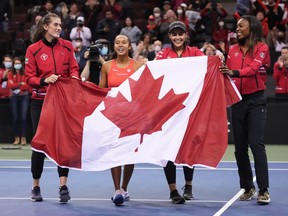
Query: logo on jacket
(262, 54)
(44, 57)
(236, 54)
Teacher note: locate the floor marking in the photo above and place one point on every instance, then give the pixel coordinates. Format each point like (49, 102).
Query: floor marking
(231, 201)
(103, 199)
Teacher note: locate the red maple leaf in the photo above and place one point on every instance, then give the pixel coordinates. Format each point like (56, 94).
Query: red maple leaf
(145, 113)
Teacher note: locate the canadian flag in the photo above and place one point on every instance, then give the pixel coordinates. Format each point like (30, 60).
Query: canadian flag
(168, 110)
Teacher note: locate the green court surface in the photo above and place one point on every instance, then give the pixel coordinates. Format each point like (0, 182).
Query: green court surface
(275, 152)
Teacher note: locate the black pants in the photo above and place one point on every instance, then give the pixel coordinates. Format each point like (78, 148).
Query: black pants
(170, 173)
(37, 158)
(248, 123)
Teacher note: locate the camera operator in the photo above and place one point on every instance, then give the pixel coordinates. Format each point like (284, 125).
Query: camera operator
(96, 55)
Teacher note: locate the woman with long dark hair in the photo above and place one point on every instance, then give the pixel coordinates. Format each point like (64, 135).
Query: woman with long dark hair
(247, 62)
(113, 73)
(48, 58)
(177, 34)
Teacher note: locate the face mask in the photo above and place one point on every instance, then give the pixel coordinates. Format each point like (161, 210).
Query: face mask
(157, 48)
(104, 51)
(78, 44)
(156, 14)
(17, 66)
(8, 64)
(81, 25)
(221, 24)
(179, 11)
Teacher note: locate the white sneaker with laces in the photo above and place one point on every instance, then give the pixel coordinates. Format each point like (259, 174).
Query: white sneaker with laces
(125, 195)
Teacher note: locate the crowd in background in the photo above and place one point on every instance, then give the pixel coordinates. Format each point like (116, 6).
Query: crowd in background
(85, 21)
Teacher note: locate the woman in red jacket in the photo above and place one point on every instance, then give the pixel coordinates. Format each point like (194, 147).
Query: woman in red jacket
(179, 48)
(19, 100)
(48, 58)
(246, 64)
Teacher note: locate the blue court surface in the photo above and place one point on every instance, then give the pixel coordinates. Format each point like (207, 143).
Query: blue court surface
(215, 191)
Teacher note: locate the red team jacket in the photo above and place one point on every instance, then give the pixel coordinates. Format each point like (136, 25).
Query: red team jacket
(252, 69)
(44, 59)
(281, 78)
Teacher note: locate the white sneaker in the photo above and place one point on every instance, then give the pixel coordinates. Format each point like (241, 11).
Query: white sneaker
(125, 195)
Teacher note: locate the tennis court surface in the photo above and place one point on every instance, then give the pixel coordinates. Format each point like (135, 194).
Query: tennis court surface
(215, 190)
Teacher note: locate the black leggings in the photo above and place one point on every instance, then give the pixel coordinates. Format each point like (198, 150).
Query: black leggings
(170, 173)
(37, 158)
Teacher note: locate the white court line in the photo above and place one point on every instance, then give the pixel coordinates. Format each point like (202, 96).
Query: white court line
(231, 201)
(132, 200)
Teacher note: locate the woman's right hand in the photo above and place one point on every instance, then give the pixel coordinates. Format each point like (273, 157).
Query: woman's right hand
(52, 79)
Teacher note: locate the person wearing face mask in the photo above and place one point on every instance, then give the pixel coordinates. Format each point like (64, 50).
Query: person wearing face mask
(181, 16)
(7, 63)
(157, 15)
(220, 37)
(92, 69)
(81, 31)
(19, 100)
(157, 47)
(79, 50)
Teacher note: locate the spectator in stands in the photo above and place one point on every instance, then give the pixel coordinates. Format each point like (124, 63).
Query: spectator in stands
(157, 46)
(232, 39)
(166, 7)
(34, 27)
(210, 16)
(263, 20)
(210, 50)
(5, 15)
(280, 41)
(176, 3)
(81, 31)
(79, 50)
(181, 15)
(280, 74)
(62, 11)
(274, 14)
(19, 100)
(92, 11)
(143, 47)
(73, 14)
(48, 8)
(164, 28)
(132, 32)
(152, 28)
(108, 28)
(220, 36)
(157, 13)
(114, 6)
(7, 63)
(127, 10)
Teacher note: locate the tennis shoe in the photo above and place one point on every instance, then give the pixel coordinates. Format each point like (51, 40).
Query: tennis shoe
(118, 198)
(64, 194)
(187, 192)
(263, 197)
(176, 197)
(125, 195)
(248, 194)
(36, 194)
